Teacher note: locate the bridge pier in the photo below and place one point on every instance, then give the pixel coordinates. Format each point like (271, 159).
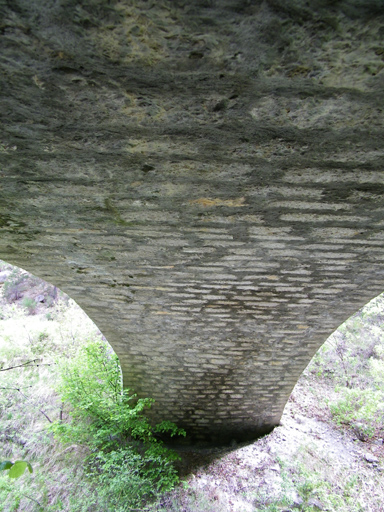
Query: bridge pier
(205, 179)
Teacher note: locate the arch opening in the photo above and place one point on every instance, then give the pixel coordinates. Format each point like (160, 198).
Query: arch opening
(42, 329)
(26, 296)
(344, 381)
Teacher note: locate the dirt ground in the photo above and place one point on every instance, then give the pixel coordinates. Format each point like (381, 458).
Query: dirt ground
(240, 478)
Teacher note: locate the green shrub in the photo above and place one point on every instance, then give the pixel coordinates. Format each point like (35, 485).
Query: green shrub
(129, 461)
(30, 305)
(361, 409)
(377, 367)
(15, 284)
(41, 343)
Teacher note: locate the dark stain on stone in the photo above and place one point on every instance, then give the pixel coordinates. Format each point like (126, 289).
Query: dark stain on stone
(6, 221)
(147, 168)
(220, 105)
(195, 55)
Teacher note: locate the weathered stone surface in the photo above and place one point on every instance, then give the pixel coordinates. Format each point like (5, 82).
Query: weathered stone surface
(205, 179)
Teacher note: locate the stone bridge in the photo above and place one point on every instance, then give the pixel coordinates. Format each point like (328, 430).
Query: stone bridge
(205, 179)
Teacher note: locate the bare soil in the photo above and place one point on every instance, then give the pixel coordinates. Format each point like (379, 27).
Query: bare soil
(239, 478)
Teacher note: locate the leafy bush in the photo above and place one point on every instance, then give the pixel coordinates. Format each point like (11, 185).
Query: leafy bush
(41, 343)
(30, 305)
(15, 284)
(128, 460)
(377, 367)
(363, 410)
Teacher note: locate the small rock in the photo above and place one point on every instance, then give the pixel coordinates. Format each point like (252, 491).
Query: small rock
(297, 500)
(40, 298)
(370, 458)
(4, 275)
(313, 502)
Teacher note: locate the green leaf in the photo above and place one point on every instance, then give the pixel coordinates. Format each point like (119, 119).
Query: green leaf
(7, 464)
(18, 469)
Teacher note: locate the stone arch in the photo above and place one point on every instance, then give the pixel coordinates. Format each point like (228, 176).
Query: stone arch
(210, 191)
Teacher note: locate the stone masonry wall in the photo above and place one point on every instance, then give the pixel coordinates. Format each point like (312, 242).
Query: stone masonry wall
(205, 179)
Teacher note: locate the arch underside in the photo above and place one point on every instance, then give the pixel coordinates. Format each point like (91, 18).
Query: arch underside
(213, 201)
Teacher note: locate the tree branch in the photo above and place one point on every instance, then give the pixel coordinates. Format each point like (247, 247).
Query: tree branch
(18, 366)
(25, 396)
(28, 363)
